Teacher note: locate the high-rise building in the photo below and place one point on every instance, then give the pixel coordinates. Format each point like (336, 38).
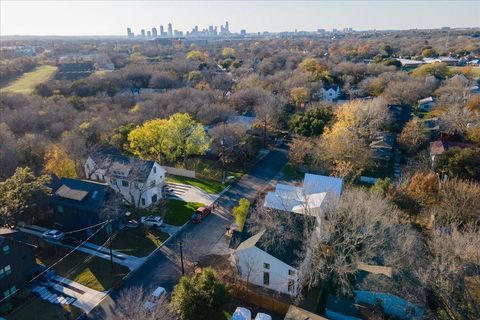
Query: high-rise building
(143, 33)
(243, 32)
(154, 32)
(129, 32)
(170, 30)
(149, 33)
(162, 32)
(227, 28)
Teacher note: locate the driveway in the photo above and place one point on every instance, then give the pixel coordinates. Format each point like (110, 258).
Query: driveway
(188, 193)
(163, 268)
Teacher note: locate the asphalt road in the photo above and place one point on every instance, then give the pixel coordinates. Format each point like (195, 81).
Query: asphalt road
(164, 268)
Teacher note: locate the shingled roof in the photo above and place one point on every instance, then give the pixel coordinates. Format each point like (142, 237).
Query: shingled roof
(119, 166)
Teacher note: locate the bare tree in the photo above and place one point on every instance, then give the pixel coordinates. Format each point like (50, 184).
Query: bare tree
(131, 306)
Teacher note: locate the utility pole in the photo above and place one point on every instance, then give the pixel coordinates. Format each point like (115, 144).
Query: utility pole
(223, 160)
(181, 258)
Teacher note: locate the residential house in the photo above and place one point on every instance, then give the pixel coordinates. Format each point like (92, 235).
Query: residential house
(17, 262)
(409, 63)
(78, 204)
(140, 182)
(450, 61)
(432, 126)
(382, 146)
(426, 104)
(331, 93)
(277, 267)
(440, 146)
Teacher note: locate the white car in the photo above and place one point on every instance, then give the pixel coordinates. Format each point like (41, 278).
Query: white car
(152, 301)
(263, 316)
(55, 235)
(152, 221)
(242, 314)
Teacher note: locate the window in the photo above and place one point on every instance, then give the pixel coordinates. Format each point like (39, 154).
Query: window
(266, 265)
(291, 272)
(143, 201)
(2, 273)
(8, 270)
(113, 181)
(154, 198)
(152, 183)
(154, 169)
(125, 183)
(266, 279)
(60, 209)
(6, 249)
(10, 291)
(291, 286)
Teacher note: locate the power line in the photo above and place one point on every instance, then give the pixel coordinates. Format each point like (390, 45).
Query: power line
(83, 229)
(54, 264)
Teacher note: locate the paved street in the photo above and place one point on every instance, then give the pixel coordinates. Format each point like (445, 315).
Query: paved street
(163, 269)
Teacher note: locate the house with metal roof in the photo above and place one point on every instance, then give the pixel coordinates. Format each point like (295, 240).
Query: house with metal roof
(78, 204)
(139, 181)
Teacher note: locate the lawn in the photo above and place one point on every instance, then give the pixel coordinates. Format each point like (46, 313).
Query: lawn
(133, 241)
(39, 309)
(179, 212)
(209, 186)
(95, 273)
(29, 80)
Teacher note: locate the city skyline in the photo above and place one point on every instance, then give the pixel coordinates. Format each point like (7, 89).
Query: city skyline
(111, 18)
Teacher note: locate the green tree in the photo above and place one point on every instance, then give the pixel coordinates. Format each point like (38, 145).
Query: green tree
(240, 212)
(18, 194)
(461, 163)
(200, 296)
(228, 52)
(438, 70)
(196, 55)
(57, 161)
(178, 137)
(311, 122)
(300, 95)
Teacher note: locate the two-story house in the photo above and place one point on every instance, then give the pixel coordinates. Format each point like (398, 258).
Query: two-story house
(140, 182)
(79, 204)
(17, 262)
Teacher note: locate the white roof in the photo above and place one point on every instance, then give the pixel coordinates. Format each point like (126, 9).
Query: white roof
(314, 183)
(425, 100)
(157, 292)
(242, 314)
(263, 316)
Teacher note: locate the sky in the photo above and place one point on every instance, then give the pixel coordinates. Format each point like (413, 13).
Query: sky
(90, 17)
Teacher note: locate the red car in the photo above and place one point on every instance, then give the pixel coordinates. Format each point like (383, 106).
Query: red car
(200, 214)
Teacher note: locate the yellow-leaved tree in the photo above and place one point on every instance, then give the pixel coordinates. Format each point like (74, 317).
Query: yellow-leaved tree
(57, 161)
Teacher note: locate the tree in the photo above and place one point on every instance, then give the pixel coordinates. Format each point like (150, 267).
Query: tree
(200, 296)
(131, 306)
(196, 55)
(414, 135)
(311, 122)
(301, 151)
(8, 151)
(18, 195)
(240, 212)
(57, 161)
(424, 188)
(268, 115)
(228, 52)
(438, 70)
(473, 103)
(228, 140)
(178, 137)
(461, 163)
(300, 96)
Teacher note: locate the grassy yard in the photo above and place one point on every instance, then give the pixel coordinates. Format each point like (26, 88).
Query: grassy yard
(133, 241)
(39, 309)
(95, 273)
(292, 173)
(29, 80)
(474, 71)
(209, 186)
(179, 212)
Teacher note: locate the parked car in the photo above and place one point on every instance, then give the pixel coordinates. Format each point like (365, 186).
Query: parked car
(242, 314)
(54, 235)
(132, 223)
(152, 301)
(263, 316)
(200, 214)
(152, 221)
(72, 241)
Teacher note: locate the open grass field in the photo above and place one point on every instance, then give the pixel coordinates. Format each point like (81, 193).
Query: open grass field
(29, 80)
(94, 273)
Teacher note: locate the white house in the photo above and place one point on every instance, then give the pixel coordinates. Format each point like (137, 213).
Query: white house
(140, 182)
(263, 266)
(331, 94)
(426, 104)
(279, 269)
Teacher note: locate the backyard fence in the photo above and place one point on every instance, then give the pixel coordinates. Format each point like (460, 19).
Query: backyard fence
(261, 300)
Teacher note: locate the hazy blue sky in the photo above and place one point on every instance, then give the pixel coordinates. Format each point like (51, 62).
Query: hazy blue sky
(113, 17)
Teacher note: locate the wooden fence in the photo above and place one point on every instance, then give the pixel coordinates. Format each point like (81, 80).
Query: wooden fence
(180, 172)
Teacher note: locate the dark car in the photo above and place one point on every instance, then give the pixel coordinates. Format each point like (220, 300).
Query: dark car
(200, 214)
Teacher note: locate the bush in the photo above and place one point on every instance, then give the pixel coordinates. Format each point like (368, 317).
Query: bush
(240, 212)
